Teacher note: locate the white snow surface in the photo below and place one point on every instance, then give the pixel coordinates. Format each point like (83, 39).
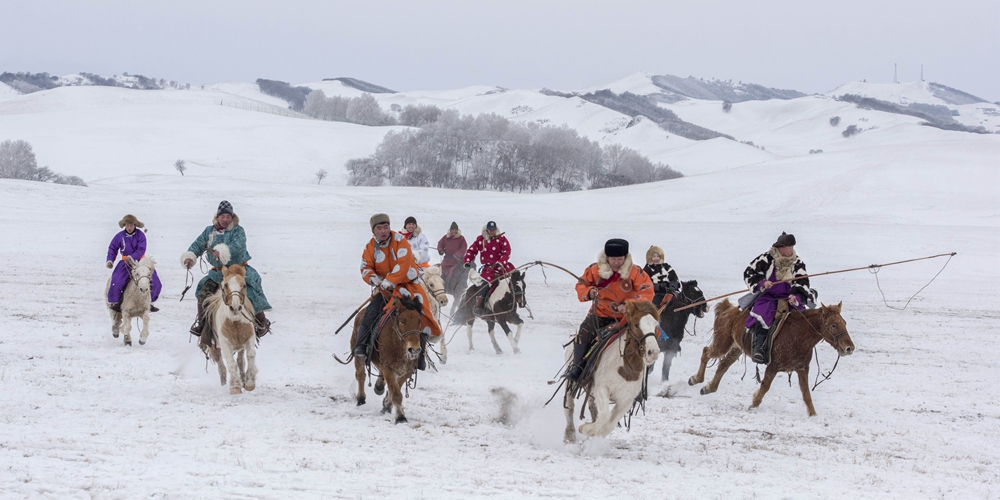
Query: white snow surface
(912, 414)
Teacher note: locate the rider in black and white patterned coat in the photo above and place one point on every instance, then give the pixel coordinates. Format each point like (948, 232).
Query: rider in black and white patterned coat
(664, 277)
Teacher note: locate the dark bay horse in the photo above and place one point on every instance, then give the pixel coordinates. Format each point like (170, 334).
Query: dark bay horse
(791, 351)
(673, 323)
(500, 307)
(395, 352)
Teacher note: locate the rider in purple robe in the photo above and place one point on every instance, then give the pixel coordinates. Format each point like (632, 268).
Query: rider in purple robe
(131, 244)
(763, 277)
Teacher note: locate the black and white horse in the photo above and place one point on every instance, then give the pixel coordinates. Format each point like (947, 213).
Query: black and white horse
(673, 323)
(500, 307)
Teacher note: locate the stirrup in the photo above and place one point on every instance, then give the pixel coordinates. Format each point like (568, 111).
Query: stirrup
(196, 328)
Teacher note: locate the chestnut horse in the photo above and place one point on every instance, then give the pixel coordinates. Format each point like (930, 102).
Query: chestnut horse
(618, 376)
(395, 353)
(791, 350)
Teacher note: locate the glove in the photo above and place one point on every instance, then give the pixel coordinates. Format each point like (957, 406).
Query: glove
(188, 263)
(110, 264)
(468, 265)
(440, 252)
(375, 280)
(387, 285)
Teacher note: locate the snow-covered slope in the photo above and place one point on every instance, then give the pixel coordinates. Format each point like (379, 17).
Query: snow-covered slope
(967, 109)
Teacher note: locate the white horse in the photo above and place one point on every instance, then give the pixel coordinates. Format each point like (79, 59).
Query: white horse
(230, 314)
(135, 301)
(433, 284)
(619, 373)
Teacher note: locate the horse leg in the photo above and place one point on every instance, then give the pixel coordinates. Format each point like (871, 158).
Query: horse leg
(804, 386)
(144, 334)
(668, 359)
(241, 362)
(126, 329)
(765, 385)
(359, 374)
(116, 322)
(251, 351)
(469, 331)
(213, 352)
(568, 405)
(490, 325)
(235, 381)
(510, 336)
(724, 364)
(395, 395)
(443, 344)
(379, 385)
(601, 399)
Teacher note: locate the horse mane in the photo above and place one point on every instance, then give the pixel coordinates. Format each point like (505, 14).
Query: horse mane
(433, 271)
(235, 269)
(643, 307)
(410, 303)
(722, 307)
(148, 261)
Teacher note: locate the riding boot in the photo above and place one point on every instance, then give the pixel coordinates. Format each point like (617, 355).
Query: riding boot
(422, 360)
(153, 308)
(478, 308)
(199, 322)
(115, 306)
(759, 341)
(576, 369)
(361, 348)
(262, 326)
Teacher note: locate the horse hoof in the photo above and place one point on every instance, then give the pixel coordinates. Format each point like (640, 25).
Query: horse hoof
(128, 343)
(361, 401)
(499, 351)
(517, 351)
(379, 388)
(570, 436)
(401, 419)
(250, 387)
(114, 334)
(691, 381)
(142, 342)
(704, 390)
(235, 390)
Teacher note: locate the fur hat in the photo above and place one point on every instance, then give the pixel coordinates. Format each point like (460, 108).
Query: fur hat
(224, 208)
(454, 225)
(616, 247)
(785, 240)
(654, 250)
(378, 219)
(130, 219)
(409, 220)
(491, 226)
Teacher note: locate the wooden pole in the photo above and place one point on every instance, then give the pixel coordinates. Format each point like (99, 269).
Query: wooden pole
(873, 266)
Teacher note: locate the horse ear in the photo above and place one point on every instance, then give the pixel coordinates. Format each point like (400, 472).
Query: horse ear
(693, 283)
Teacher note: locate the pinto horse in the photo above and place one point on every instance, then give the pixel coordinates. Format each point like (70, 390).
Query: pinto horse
(500, 307)
(434, 287)
(673, 323)
(618, 376)
(395, 352)
(230, 314)
(791, 350)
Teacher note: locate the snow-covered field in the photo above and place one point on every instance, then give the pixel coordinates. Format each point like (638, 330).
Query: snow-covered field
(913, 414)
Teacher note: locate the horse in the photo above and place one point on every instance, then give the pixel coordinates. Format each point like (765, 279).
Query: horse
(618, 375)
(500, 307)
(673, 323)
(791, 350)
(230, 315)
(396, 349)
(434, 286)
(456, 282)
(135, 302)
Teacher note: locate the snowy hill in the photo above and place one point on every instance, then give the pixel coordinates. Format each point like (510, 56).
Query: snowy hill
(85, 417)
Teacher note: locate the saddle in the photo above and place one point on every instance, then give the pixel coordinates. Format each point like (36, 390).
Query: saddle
(602, 340)
(376, 330)
(779, 320)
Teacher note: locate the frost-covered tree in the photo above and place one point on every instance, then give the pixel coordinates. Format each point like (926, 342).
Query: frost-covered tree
(364, 110)
(17, 160)
(180, 166)
(834, 121)
(851, 130)
(320, 175)
(727, 106)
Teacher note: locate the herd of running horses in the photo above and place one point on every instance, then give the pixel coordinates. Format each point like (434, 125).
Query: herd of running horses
(620, 369)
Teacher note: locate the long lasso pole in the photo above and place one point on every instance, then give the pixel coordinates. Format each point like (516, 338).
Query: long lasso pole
(873, 266)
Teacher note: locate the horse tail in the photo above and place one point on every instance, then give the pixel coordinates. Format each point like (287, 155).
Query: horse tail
(723, 306)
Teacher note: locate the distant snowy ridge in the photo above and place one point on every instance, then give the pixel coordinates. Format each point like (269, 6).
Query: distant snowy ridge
(361, 85)
(27, 83)
(718, 90)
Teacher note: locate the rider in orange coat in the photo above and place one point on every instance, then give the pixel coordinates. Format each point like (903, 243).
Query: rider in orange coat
(609, 282)
(388, 263)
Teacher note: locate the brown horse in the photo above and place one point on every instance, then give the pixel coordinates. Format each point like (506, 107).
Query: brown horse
(395, 353)
(791, 350)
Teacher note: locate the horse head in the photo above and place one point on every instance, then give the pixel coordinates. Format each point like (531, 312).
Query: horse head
(518, 287)
(692, 294)
(409, 317)
(234, 285)
(643, 320)
(435, 284)
(142, 273)
(834, 330)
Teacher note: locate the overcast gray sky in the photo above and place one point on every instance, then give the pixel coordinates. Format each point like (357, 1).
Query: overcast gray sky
(807, 45)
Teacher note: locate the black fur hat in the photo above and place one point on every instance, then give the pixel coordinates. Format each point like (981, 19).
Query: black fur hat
(785, 240)
(616, 247)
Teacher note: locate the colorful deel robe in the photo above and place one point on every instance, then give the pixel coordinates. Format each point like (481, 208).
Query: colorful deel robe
(394, 262)
(231, 243)
(133, 245)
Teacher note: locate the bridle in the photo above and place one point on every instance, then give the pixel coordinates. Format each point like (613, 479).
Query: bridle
(399, 331)
(134, 275)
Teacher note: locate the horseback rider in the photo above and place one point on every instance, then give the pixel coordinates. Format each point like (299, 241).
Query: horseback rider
(389, 265)
(494, 254)
(131, 244)
(763, 277)
(664, 277)
(224, 243)
(609, 282)
(452, 246)
(418, 241)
